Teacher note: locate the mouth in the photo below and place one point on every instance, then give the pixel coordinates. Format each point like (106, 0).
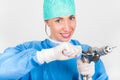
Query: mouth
(65, 35)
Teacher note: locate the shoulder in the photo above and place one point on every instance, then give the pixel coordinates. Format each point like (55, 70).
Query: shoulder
(36, 44)
(75, 42)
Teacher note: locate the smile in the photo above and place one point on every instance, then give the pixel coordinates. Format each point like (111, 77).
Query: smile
(65, 35)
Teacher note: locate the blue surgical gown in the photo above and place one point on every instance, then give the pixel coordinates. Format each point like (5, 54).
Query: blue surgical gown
(20, 63)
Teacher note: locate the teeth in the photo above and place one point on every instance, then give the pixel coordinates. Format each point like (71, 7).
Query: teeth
(65, 34)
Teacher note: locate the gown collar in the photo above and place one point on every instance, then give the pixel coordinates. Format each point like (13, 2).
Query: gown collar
(53, 43)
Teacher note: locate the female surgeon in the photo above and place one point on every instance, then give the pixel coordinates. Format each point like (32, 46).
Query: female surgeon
(54, 58)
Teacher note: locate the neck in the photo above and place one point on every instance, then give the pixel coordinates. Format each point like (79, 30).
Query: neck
(54, 41)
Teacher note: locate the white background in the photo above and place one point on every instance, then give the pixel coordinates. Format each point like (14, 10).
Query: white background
(98, 24)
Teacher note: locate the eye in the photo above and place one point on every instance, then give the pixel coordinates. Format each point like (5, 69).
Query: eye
(72, 18)
(58, 20)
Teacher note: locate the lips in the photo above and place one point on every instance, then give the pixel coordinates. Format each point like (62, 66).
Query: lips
(65, 35)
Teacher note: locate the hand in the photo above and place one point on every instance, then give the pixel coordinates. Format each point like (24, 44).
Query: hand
(67, 51)
(63, 51)
(85, 68)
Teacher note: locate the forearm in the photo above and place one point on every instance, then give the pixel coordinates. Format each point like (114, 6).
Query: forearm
(18, 65)
(100, 72)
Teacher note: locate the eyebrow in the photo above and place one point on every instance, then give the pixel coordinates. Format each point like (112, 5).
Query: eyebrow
(59, 18)
(69, 16)
(72, 16)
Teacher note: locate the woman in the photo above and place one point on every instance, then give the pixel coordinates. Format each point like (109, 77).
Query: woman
(54, 58)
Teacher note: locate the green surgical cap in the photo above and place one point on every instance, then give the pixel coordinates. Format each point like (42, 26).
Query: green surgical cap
(58, 8)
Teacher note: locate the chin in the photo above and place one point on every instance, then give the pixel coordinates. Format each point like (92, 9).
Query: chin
(65, 40)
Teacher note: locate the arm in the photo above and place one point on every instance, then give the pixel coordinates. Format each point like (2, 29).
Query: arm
(16, 62)
(100, 72)
(22, 59)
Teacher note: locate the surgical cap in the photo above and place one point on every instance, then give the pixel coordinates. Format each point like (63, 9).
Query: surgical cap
(58, 8)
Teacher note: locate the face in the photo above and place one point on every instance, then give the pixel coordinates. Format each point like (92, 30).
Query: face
(62, 28)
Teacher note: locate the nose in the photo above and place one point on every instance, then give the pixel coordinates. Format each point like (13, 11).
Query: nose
(67, 26)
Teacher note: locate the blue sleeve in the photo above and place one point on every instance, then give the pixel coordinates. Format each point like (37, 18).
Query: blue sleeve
(100, 72)
(17, 61)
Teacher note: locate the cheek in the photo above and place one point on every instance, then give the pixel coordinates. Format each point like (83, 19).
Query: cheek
(73, 25)
(55, 29)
